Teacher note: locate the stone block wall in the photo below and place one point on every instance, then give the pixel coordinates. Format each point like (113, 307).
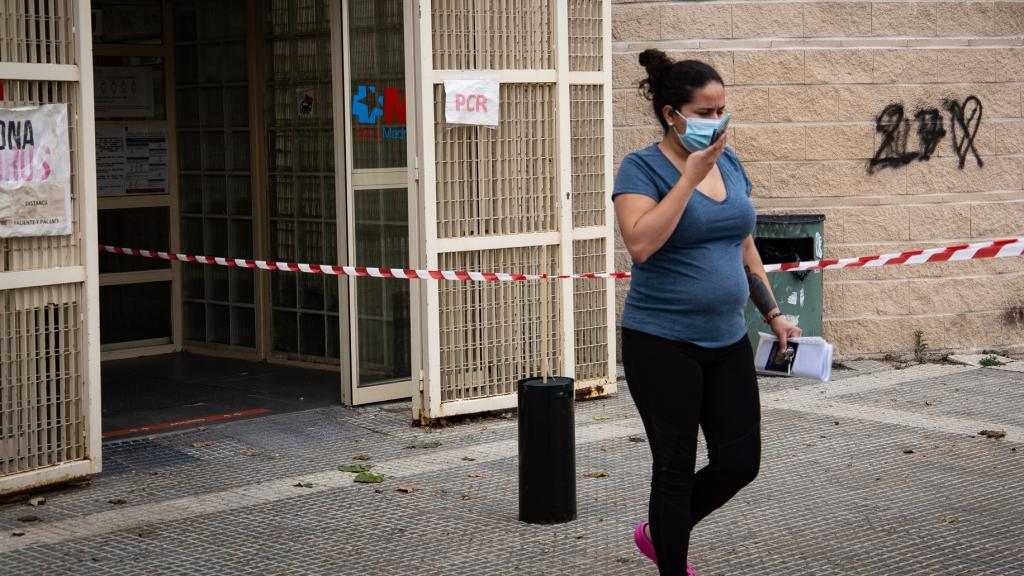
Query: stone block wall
(807, 82)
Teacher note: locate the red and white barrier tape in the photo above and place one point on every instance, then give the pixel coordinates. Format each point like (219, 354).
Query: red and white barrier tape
(994, 249)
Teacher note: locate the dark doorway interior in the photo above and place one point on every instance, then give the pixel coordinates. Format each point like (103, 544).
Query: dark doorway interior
(164, 393)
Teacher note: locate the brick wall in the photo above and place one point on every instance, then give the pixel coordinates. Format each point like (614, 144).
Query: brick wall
(806, 81)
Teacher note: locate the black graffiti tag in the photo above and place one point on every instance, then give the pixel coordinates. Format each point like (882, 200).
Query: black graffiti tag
(929, 131)
(894, 126)
(892, 151)
(964, 122)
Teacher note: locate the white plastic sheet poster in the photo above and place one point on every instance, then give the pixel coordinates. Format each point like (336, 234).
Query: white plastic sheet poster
(131, 160)
(472, 101)
(35, 171)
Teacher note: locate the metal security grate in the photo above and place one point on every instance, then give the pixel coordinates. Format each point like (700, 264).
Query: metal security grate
(489, 35)
(491, 331)
(42, 417)
(47, 251)
(590, 305)
(37, 32)
(586, 35)
(494, 182)
(588, 162)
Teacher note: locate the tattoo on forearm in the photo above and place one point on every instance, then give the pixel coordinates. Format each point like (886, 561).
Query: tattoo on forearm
(760, 295)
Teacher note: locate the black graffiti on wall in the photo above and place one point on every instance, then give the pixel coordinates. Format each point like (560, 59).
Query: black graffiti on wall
(895, 127)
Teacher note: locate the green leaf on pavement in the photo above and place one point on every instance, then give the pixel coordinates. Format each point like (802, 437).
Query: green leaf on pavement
(598, 474)
(369, 478)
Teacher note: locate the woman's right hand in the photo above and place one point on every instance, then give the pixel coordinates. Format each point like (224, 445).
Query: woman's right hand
(698, 164)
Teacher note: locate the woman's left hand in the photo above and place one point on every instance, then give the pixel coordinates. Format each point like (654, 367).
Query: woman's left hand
(784, 330)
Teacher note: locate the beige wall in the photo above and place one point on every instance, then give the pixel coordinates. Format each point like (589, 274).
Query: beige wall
(805, 82)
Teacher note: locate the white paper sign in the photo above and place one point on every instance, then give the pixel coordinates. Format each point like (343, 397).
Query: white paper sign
(472, 101)
(35, 171)
(131, 160)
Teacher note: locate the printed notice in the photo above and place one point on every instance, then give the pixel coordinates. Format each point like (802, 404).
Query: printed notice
(131, 160)
(35, 171)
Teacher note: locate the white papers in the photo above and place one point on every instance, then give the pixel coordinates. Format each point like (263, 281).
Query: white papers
(131, 160)
(811, 357)
(472, 101)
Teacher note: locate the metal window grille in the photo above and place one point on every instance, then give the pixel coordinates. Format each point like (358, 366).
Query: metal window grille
(590, 304)
(494, 182)
(42, 421)
(586, 40)
(491, 331)
(38, 32)
(588, 162)
(46, 355)
(489, 35)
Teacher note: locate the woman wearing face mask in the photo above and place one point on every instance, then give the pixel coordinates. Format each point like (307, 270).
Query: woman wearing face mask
(683, 207)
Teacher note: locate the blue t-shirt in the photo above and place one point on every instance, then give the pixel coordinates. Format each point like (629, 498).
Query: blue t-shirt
(694, 288)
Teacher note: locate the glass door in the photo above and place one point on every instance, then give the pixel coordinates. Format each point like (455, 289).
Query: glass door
(380, 198)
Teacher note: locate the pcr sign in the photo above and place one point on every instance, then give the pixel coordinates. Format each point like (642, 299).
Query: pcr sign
(472, 101)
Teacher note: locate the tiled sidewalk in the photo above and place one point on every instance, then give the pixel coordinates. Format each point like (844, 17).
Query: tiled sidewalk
(840, 492)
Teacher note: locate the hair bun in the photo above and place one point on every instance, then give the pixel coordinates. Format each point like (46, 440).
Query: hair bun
(652, 59)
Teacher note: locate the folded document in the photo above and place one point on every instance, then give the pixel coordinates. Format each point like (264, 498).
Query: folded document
(806, 357)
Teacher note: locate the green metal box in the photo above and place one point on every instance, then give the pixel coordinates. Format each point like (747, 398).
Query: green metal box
(790, 238)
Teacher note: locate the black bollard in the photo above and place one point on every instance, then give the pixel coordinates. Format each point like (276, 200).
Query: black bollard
(547, 450)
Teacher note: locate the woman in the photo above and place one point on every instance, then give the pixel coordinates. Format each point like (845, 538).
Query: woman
(684, 211)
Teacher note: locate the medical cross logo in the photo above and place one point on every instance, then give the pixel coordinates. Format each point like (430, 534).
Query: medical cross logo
(370, 105)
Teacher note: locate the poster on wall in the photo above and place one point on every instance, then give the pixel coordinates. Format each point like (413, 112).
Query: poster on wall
(124, 91)
(35, 171)
(131, 160)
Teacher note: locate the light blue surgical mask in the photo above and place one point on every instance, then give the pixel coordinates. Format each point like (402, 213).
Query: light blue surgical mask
(699, 132)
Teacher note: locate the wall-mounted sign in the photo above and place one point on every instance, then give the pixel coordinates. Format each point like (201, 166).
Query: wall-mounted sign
(472, 101)
(131, 160)
(124, 91)
(35, 171)
(379, 114)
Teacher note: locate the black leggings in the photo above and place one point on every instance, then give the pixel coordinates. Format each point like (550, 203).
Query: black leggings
(675, 386)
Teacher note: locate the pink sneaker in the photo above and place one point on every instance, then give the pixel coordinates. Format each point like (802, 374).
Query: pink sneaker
(647, 547)
(643, 542)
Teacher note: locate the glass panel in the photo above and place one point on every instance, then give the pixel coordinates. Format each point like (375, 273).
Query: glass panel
(384, 332)
(129, 88)
(377, 56)
(300, 140)
(378, 109)
(146, 228)
(127, 22)
(131, 312)
(214, 163)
